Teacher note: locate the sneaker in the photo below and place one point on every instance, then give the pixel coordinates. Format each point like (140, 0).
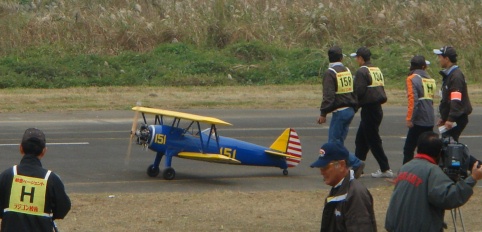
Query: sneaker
(359, 170)
(385, 174)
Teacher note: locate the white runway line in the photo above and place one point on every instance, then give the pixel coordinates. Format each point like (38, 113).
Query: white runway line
(48, 144)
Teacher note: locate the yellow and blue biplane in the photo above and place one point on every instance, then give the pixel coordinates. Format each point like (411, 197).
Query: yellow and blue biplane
(176, 134)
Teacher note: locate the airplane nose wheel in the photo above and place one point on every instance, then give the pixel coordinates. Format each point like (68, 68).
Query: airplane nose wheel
(152, 171)
(285, 172)
(169, 173)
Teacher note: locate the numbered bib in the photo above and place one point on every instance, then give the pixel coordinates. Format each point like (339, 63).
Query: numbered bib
(377, 77)
(428, 88)
(344, 82)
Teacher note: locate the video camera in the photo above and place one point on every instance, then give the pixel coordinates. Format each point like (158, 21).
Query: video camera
(455, 159)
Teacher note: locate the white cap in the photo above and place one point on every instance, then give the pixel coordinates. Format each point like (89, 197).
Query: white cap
(437, 52)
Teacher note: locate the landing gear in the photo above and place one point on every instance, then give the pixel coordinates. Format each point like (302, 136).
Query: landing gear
(169, 173)
(285, 172)
(152, 170)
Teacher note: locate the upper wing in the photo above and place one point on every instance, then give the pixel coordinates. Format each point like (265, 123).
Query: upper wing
(217, 158)
(174, 114)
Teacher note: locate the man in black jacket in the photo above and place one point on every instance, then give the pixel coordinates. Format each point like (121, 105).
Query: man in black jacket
(369, 88)
(31, 197)
(455, 104)
(349, 206)
(339, 99)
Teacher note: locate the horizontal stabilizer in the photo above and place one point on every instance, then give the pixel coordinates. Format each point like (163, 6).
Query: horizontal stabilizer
(288, 145)
(216, 158)
(272, 152)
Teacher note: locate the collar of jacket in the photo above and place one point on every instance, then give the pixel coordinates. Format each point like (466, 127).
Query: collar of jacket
(420, 72)
(31, 159)
(331, 65)
(352, 176)
(425, 157)
(449, 70)
(341, 189)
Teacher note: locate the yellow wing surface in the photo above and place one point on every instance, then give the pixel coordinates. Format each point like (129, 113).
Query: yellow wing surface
(174, 114)
(216, 158)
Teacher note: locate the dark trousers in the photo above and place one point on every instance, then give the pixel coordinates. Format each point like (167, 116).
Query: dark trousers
(411, 141)
(367, 136)
(455, 133)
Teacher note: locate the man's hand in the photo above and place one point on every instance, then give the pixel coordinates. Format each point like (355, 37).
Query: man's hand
(440, 122)
(409, 124)
(321, 119)
(476, 172)
(449, 125)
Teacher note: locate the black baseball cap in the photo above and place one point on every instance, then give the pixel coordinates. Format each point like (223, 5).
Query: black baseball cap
(446, 51)
(363, 52)
(419, 61)
(34, 135)
(335, 50)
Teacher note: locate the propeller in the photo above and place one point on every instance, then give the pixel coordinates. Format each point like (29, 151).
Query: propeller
(133, 133)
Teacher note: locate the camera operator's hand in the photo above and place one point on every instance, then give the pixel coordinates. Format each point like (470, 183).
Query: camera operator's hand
(477, 172)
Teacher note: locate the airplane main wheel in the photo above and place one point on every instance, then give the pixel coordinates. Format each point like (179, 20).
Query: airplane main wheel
(153, 171)
(169, 173)
(285, 172)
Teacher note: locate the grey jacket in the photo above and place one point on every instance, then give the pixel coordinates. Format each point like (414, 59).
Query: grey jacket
(420, 93)
(422, 194)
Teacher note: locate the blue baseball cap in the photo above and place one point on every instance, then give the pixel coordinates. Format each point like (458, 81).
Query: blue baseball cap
(330, 152)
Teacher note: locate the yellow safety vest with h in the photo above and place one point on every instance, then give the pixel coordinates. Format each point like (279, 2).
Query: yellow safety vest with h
(428, 86)
(27, 194)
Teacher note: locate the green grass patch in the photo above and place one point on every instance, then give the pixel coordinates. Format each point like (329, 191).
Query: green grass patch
(73, 43)
(179, 64)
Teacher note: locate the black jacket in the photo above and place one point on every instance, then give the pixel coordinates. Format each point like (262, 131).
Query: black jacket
(349, 207)
(366, 90)
(454, 81)
(57, 202)
(332, 98)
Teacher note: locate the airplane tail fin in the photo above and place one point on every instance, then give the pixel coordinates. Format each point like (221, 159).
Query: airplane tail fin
(289, 143)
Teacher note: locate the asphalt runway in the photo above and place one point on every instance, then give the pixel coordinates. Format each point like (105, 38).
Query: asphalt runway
(87, 150)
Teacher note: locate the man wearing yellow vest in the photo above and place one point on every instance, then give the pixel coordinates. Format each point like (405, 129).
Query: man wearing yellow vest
(370, 90)
(420, 112)
(339, 99)
(31, 197)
